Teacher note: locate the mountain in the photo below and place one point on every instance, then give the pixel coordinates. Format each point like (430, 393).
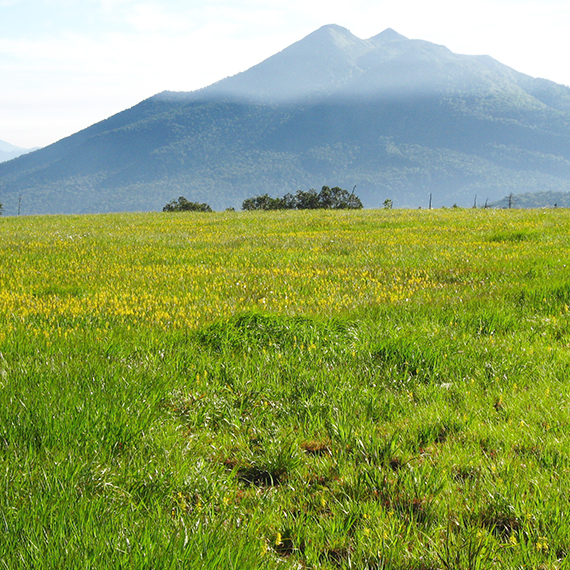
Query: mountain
(9, 151)
(399, 118)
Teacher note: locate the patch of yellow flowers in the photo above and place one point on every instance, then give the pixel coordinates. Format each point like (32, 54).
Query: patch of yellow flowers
(183, 270)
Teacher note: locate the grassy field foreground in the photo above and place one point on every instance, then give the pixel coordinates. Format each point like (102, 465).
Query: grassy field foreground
(371, 389)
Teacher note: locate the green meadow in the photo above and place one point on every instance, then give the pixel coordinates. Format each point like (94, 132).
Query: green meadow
(373, 389)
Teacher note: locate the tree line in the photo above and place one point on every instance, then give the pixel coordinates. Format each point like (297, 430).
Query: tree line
(327, 199)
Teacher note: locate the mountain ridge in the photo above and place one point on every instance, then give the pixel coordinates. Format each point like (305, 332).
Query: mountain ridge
(401, 118)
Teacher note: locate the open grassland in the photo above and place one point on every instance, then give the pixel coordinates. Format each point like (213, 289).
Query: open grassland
(370, 389)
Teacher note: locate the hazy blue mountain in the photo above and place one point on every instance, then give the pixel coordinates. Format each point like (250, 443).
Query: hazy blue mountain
(9, 151)
(535, 200)
(399, 118)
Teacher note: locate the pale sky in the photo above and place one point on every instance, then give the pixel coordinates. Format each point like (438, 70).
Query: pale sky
(66, 64)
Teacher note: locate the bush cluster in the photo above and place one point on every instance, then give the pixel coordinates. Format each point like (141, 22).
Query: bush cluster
(327, 199)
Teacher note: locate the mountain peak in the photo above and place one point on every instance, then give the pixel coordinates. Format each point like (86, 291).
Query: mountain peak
(339, 37)
(332, 28)
(311, 67)
(388, 35)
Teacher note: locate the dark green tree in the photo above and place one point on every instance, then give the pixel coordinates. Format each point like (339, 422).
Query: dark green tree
(308, 200)
(184, 205)
(263, 202)
(338, 199)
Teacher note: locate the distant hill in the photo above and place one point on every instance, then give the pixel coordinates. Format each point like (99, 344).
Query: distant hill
(536, 200)
(9, 151)
(399, 118)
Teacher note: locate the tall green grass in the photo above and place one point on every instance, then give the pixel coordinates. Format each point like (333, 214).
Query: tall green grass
(364, 390)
